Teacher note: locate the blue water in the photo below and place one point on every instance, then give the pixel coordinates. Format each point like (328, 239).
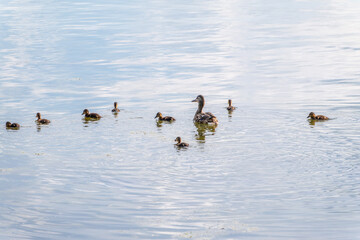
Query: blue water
(264, 173)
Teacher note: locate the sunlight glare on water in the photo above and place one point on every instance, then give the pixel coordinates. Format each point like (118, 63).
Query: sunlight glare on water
(264, 172)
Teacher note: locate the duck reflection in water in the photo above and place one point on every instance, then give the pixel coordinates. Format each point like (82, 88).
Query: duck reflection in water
(88, 121)
(204, 130)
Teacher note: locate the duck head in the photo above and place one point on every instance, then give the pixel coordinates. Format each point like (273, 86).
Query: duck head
(230, 102)
(38, 115)
(159, 115)
(115, 104)
(85, 112)
(8, 124)
(199, 98)
(178, 139)
(311, 115)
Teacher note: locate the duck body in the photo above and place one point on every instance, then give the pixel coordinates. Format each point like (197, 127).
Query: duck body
(180, 144)
(317, 117)
(12, 125)
(203, 117)
(90, 115)
(230, 107)
(166, 118)
(115, 110)
(41, 120)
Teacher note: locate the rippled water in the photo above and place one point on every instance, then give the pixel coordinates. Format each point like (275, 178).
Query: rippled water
(264, 173)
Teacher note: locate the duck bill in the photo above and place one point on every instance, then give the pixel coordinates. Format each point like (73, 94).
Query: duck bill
(308, 116)
(195, 100)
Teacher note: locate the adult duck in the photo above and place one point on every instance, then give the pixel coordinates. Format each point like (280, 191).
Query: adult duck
(90, 115)
(166, 118)
(180, 144)
(200, 116)
(12, 125)
(317, 117)
(115, 110)
(41, 120)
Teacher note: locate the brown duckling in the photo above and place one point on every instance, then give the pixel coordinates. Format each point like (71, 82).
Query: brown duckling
(90, 115)
(317, 117)
(12, 125)
(167, 118)
(115, 108)
(200, 116)
(179, 143)
(230, 107)
(41, 120)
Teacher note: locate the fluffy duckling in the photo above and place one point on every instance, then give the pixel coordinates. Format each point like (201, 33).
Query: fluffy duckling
(115, 108)
(41, 120)
(179, 143)
(161, 118)
(200, 116)
(230, 107)
(317, 117)
(90, 115)
(12, 125)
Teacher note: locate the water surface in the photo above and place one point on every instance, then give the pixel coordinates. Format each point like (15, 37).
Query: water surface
(264, 173)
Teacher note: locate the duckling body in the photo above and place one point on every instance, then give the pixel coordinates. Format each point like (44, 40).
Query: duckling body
(90, 115)
(115, 110)
(317, 117)
(166, 118)
(41, 120)
(230, 107)
(12, 125)
(200, 116)
(180, 144)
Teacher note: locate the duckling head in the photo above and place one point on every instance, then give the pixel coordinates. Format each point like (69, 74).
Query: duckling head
(85, 112)
(178, 139)
(8, 124)
(159, 115)
(311, 115)
(38, 115)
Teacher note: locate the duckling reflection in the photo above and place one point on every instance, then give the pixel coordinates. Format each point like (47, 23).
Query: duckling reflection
(14, 126)
(230, 114)
(312, 122)
(159, 124)
(203, 131)
(87, 121)
(116, 114)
